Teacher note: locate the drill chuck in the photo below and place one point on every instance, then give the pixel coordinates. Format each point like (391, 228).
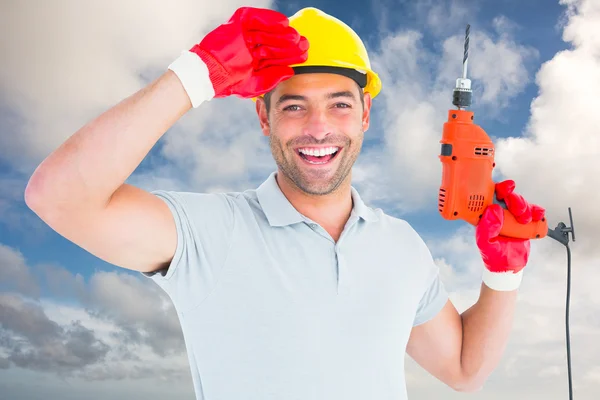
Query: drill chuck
(461, 97)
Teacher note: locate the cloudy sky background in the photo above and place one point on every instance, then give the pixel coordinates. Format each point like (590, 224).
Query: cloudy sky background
(72, 326)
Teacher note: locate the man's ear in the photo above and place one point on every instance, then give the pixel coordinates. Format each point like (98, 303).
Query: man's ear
(366, 116)
(263, 116)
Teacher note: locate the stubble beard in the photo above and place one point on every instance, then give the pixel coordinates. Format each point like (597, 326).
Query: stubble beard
(316, 183)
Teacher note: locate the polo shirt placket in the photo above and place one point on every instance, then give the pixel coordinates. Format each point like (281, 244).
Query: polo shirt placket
(341, 265)
(280, 212)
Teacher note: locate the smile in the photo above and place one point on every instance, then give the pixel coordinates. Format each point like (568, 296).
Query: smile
(318, 156)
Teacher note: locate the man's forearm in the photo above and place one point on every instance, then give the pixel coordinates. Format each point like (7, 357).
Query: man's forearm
(486, 328)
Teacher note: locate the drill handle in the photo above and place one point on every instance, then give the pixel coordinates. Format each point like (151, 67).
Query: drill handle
(513, 228)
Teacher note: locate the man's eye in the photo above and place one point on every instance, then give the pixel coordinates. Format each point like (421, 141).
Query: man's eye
(342, 105)
(292, 108)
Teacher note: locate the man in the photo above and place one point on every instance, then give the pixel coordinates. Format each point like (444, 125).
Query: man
(296, 289)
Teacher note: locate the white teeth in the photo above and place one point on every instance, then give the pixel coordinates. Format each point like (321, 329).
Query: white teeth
(318, 152)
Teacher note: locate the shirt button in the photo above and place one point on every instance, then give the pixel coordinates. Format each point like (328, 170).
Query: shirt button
(314, 226)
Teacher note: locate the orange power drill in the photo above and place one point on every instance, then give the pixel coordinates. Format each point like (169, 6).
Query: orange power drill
(467, 157)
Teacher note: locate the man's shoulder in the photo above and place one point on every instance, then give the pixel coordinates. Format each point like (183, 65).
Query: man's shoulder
(210, 201)
(396, 226)
(391, 220)
(188, 195)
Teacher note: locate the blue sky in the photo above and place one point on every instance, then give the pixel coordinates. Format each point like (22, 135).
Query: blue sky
(533, 92)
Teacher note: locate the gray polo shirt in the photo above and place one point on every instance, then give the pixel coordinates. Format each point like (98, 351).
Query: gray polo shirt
(272, 308)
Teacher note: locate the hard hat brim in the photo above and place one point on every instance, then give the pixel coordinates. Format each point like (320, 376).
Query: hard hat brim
(369, 80)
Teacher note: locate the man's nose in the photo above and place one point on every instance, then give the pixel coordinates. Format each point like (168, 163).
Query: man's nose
(318, 124)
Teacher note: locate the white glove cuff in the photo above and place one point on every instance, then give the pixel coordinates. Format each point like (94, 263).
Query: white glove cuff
(502, 281)
(194, 76)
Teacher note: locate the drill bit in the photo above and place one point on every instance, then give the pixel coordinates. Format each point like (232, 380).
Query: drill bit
(461, 97)
(466, 53)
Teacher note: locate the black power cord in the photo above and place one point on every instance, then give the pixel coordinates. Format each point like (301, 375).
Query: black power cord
(567, 322)
(561, 235)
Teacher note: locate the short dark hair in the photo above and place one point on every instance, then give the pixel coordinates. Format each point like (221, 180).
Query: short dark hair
(267, 97)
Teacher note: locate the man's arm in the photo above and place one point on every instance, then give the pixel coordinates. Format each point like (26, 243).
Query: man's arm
(463, 350)
(79, 189)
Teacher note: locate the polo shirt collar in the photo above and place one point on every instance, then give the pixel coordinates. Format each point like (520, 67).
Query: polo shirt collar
(275, 205)
(361, 209)
(280, 212)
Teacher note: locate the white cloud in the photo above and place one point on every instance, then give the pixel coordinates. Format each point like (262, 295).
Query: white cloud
(444, 16)
(66, 62)
(31, 385)
(219, 146)
(555, 163)
(128, 360)
(582, 25)
(140, 308)
(504, 26)
(497, 66)
(116, 327)
(16, 275)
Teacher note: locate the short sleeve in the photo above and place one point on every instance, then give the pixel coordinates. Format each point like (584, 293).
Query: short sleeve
(204, 223)
(432, 302)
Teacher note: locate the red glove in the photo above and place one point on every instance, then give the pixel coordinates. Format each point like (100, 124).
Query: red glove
(247, 56)
(505, 257)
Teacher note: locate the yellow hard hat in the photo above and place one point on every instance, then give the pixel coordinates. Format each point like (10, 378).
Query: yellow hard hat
(334, 48)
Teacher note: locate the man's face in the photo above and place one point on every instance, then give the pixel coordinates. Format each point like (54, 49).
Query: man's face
(316, 125)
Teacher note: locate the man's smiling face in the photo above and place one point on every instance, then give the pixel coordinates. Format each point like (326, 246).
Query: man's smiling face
(316, 125)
